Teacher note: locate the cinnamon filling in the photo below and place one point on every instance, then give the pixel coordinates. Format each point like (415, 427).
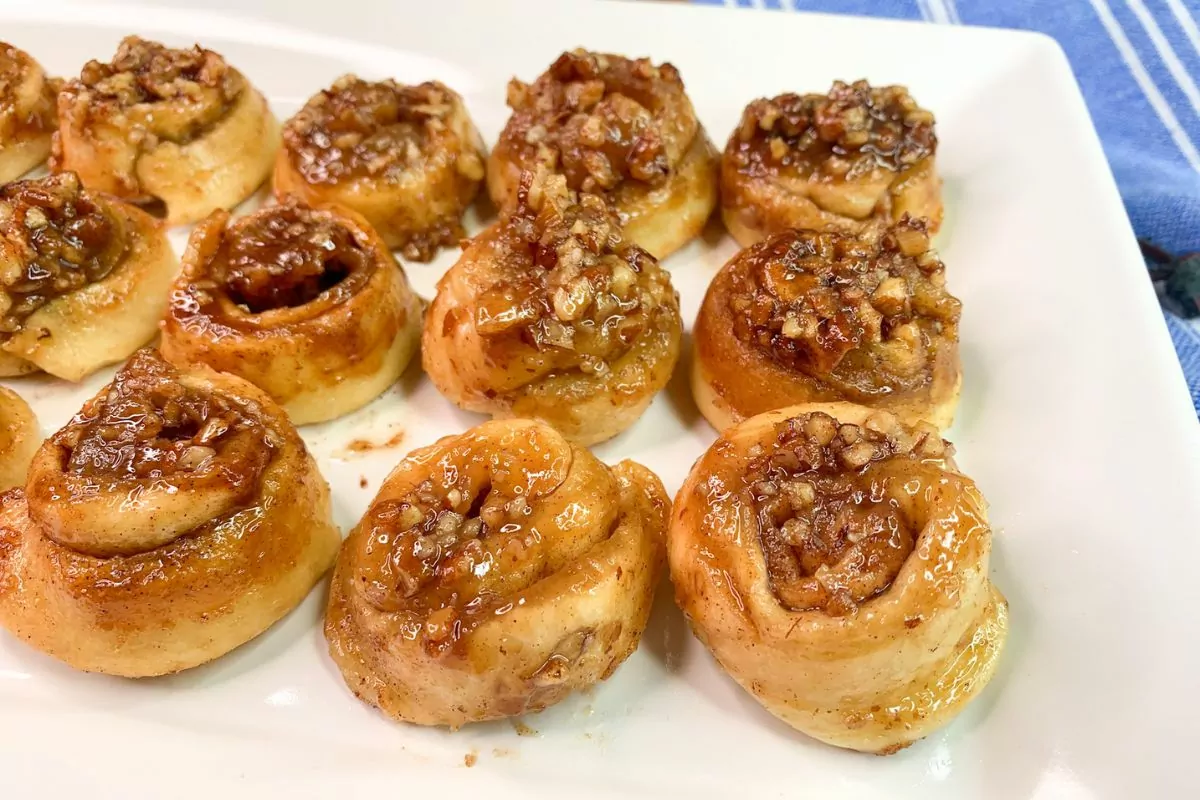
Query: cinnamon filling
(600, 116)
(867, 312)
(58, 239)
(832, 535)
(573, 288)
(173, 95)
(377, 129)
(149, 426)
(841, 135)
(287, 256)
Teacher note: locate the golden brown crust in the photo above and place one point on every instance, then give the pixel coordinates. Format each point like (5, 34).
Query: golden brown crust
(307, 304)
(27, 113)
(83, 277)
(177, 516)
(19, 439)
(495, 572)
(836, 564)
(157, 125)
(839, 161)
(806, 316)
(408, 158)
(620, 128)
(552, 314)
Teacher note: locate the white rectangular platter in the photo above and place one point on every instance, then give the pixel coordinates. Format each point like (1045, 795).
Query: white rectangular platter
(1074, 421)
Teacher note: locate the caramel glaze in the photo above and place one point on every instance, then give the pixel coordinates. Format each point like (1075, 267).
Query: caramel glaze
(833, 161)
(21, 119)
(495, 572)
(55, 238)
(829, 316)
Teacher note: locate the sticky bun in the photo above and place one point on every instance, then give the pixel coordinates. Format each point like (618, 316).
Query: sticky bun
(835, 562)
(809, 316)
(176, 517)
(620, 128)
(496, 572)
(27, 113)
(19, 439)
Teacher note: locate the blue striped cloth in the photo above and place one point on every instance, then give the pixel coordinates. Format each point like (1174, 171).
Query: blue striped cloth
(1138, 62)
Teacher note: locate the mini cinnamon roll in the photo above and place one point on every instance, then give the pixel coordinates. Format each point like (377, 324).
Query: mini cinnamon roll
(840, 162)
(806, 316)
(177, 130)
(835, 562)
(176, 517)
(19, 439)
(553, 314)
(408, 158)
(307, 304)
(27, 113)
(496, 572)
(83, 277)
(620, 128)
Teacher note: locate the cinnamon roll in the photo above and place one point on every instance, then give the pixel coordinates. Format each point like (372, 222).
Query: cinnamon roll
(180, 131)
(19, 439)
(408, 158)
(307, 304)
(83, 277)
(176, 517)
(496, 572)
(806, 316)
(616, 127)
(840, 162)
(835, 562)
(553, 314)
(27, 113)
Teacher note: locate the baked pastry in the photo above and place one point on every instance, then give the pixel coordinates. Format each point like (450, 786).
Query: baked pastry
(806, 316)
(84, 277)
(176, 517)
(620, 128)
(307, 304)
(19, 438)
(840, 161)
(179, 131)
(553, 314)
(408, 158)
(835, 562)
(495, 572)
(27, 113)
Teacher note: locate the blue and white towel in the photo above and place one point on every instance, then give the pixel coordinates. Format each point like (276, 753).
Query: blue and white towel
(1138, 62)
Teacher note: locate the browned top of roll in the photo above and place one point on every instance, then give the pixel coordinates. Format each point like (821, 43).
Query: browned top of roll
(55, 238)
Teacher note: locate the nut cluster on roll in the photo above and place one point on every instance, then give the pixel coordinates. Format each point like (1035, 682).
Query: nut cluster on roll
(177, 516)
(838, 161)
(27, 113)
(808, 316)
(408, 158)
(495, 572)
(84, 277)
(553, 314)
(616, 127)
(306, 303)
(180, 131)
(835, 562)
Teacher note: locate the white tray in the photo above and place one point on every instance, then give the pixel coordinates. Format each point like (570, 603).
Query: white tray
(1074, 420)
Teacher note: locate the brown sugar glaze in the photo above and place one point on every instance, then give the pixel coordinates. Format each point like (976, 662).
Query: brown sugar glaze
(55, 238)
(862, 314)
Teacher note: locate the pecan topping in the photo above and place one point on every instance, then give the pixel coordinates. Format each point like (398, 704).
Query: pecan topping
(286, 256)
(376, 129)
(864, 311)
(832, 535)
(581, 291)
(55, 238)
(150, 426)
(602, 119)
(165, 93)
(842, 135)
